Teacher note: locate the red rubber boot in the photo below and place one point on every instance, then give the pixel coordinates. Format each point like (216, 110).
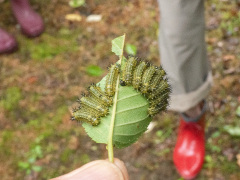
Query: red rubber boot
(31, 23)
(189, 151)
(7, 42)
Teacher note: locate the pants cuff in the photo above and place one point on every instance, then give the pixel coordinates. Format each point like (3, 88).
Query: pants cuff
(183, 102)
(188, 119)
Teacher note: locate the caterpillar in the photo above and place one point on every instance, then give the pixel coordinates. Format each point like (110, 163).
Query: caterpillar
(127, 74)
(160, 73)
(82, 115)
(149, 79)
(161, 88)
(162, 98)
(90, 103)
(138, 72)
(100, 96)
(110, 86)
(146, 79)
(153, 110)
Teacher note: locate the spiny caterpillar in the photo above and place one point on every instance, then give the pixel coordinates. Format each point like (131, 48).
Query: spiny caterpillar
(83, 115)
(97, 104)
(100, 96)
(146, 79)
(150, 80)
(90, 103)
(92, 107)
(138, 72)
(153, 110)
(127, 74)
(159, 74)
(112, 79)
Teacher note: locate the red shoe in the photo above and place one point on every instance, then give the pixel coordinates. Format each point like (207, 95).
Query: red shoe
(7, 42)
(189, 151)
(31, 23)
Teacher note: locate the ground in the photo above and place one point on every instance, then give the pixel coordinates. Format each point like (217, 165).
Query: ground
(40, 82)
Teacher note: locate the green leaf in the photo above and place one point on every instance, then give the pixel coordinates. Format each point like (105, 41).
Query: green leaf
(208, 159)
(32, 159)
(94, 70)
(131, 119)
(28, 171)
(117, 45)
(76, 3)
(232, 130)
(37, 151)
(131, 49)
(23, 165)
(37, 168)
(125, 124)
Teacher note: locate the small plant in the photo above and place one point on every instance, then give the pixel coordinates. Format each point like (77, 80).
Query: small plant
(76, 3)
(118, 109)
(32, 156)
(94, 70)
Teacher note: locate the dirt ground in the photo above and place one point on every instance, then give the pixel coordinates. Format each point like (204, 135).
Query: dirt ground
(39, 83)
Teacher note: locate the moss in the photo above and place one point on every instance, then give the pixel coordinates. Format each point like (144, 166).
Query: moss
(49, 46)
(11, 98)
(65, 155)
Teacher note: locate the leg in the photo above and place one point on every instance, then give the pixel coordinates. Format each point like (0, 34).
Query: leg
(183, 52)
(183, 56)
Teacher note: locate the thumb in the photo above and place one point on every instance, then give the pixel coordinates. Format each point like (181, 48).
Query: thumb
(100, 169)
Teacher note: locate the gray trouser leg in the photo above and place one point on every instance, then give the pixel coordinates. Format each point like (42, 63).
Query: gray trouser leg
(183, 51)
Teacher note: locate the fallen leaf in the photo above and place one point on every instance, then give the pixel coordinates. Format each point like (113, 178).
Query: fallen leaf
(228, 57)
(227, 82)
(94, 18)
(73, 17)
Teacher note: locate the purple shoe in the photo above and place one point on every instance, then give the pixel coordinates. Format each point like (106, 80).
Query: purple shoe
(31, 23)
(7, 42)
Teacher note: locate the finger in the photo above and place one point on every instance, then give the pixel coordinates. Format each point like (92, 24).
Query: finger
(100, 169)
(120, 164)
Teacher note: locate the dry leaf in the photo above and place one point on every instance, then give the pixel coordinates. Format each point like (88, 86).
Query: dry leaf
(228, 57)
(73, 17)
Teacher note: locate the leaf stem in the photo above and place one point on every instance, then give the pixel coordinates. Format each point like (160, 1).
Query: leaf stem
(110, 142)
(110, 137)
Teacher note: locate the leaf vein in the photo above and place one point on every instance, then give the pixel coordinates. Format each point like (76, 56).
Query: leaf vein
(129, 134)
(131, 122)
(136, 94)
(132, 108)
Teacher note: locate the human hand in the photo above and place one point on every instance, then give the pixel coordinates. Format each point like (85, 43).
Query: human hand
(98, 170)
